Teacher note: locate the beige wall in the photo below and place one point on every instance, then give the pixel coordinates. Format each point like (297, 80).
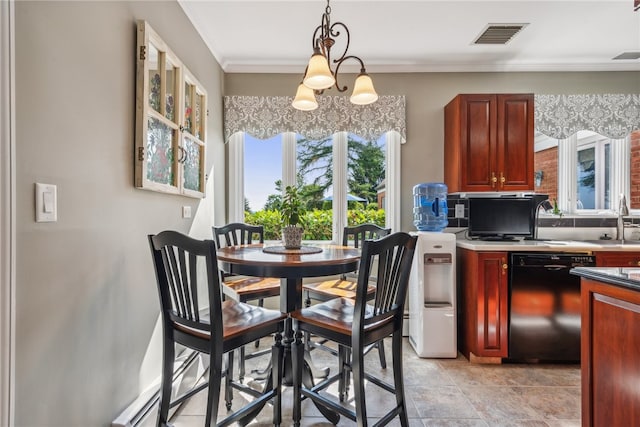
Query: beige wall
(428, 93)
(86, 302)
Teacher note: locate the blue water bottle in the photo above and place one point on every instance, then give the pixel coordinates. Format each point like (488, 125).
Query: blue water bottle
(430, 206)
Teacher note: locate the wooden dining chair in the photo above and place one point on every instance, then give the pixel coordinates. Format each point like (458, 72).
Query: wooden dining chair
(187, 269)
(345, 285)
(356, 323)
(245, 288)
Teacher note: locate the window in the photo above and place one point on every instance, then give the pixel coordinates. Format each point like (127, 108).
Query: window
(593, 166)
(339, 174)
(171, 108)
(586, 172)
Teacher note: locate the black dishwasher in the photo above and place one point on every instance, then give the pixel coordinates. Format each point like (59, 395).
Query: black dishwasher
(544, 306)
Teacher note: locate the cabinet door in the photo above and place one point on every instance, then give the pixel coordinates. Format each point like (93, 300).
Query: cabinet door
(492, 315)
(515, 138)
(610, 345)
(478, 140)
(617, 259)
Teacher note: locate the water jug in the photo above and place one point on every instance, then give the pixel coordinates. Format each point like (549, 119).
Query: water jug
(430, 206)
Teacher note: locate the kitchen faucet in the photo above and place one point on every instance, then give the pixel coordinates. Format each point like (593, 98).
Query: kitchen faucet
(548, 207)
(623, 210)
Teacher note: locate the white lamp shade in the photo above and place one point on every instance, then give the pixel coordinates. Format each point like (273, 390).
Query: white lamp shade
(318, 75)
(305, 99)
(363, 91)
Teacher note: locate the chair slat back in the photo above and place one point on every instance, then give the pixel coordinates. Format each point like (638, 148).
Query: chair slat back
(359, 233)
(389, 260)
(183, 266)
(237, 233)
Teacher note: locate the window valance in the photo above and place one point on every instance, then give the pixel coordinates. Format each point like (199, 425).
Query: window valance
(612, 115)
(267, 116)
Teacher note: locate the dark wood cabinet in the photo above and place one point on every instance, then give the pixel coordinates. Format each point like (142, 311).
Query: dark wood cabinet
(610, 348)
(489, 142)
(617, 259)
(483, 309)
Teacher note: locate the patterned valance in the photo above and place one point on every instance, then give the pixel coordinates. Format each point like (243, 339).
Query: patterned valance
(612, 115)
(267, 116)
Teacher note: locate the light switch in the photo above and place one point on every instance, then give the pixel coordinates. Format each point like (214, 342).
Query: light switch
(459, 213)
(46, 203)
(186, 212)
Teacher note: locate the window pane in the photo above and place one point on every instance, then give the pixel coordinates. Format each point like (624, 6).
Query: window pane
(262, 174)
(154, 78)
(366, 181)
(193, 157)
(198, 118)
(170, 87)
(607, 176)
(586, 178)
(187, 107)
(159, 152)
(314, 162)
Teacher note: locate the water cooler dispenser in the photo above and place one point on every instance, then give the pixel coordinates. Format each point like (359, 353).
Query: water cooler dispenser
(432, 296)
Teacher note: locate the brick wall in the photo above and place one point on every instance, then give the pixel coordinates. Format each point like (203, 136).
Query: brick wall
(634, 202)
(547, 162)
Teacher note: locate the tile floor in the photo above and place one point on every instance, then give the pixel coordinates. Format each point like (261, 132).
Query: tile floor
(445, 392)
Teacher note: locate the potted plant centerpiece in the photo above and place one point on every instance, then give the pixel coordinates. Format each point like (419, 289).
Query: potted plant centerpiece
(291, 211)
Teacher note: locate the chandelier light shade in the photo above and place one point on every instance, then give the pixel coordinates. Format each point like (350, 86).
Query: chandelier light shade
(305, 99)
(319, 76)
(363, 91)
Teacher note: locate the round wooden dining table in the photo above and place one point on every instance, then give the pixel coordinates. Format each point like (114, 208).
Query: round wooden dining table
(292, 266)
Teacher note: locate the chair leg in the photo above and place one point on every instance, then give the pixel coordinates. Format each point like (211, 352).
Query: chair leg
(357, 369)
(383, 359)
(260, 304)
(343, 369)
(297, 354)
(307, 301)
(277, 361)
(241, 363)
(215, 374)
(228, 389)
(168, 356)
(398, 379)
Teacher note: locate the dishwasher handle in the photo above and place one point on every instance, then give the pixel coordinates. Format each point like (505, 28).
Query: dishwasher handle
(556, 266)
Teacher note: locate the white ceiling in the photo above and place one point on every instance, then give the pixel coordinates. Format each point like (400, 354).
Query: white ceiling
(263, 36)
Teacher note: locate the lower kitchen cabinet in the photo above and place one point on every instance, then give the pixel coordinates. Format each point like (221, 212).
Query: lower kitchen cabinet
(617, 259)
(609, 353)
(483, 305)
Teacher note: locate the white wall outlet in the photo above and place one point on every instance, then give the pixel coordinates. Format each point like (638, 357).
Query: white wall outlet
(186, 212)
(459, 210)
(46, 203)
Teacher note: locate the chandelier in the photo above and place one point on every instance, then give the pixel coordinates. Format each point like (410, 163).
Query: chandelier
(318, 75)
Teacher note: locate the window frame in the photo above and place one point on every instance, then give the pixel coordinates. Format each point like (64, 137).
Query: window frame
(185, 138)
(567, 172)
(340, 176)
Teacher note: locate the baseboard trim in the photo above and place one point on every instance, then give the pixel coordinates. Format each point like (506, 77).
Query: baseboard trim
(189, 368)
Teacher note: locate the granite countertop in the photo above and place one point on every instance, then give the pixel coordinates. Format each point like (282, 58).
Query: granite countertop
(620, 276)
(550, 245)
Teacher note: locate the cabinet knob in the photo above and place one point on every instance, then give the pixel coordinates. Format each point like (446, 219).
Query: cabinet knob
(502, 179)
(493, 180)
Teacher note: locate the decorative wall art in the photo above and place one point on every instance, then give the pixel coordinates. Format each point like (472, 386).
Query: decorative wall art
(171, 108)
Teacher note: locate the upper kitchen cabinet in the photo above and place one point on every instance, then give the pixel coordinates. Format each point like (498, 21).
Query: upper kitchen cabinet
(488, 141)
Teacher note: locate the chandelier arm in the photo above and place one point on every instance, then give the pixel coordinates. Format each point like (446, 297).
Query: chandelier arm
(336, 33)
(340, 62)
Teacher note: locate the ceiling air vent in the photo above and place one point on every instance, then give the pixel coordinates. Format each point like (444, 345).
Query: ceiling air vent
(628, 55)
(498, 33)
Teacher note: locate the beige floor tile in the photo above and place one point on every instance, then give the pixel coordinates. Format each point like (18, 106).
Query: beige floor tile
(440, 393)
